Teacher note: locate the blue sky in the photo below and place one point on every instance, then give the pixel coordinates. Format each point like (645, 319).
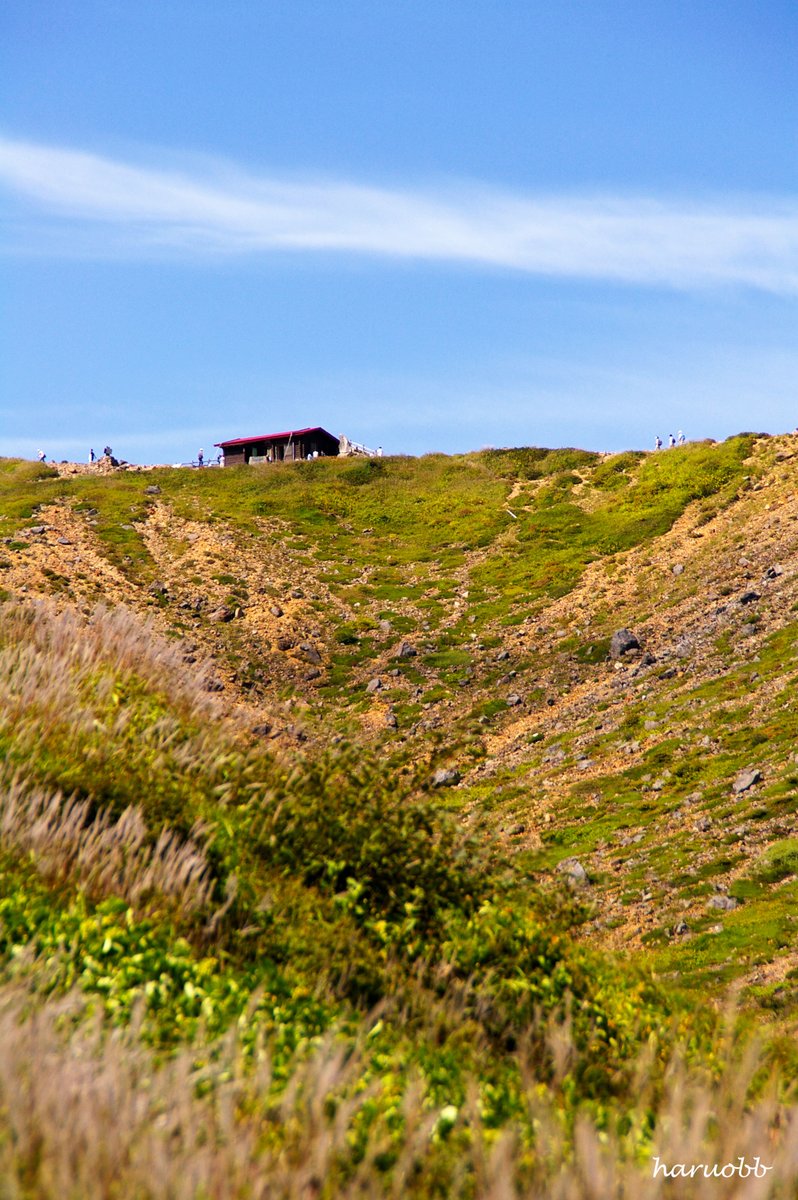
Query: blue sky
(431, 226)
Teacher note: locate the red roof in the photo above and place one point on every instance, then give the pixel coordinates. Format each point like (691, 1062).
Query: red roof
(272, 437)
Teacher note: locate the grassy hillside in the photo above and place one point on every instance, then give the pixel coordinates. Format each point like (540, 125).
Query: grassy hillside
(325, 809)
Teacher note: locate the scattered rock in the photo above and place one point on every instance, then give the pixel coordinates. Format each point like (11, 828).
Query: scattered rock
(37, 529)
(152, 490)
(622, 642)
(575, 874)
(502, 656)
(746, 780)
(262, 730)
(310, 653)
(285, 643)
(513, 700)
(374, 685)
(773, 572)
(158, 588)
(297, 593)
(445, 777)
(677, 568)
(276, 611)
(680, 929)
(703, 824)
(390, 720)
(724, 903)
(406, 651)
(313, 673)
(631, 839)
(749, 597)
(384, 626)
(221, 615)
(747, 630)
(214, 685)
(64, 541)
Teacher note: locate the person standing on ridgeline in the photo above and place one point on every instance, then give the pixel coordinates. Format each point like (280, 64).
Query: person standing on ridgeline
(200, 458)
(658, 443)
(671, 441)
(42, 457)
(92, 456)
(107, 451)
(680, 438)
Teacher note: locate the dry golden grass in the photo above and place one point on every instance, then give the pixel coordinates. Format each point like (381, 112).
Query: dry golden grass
(44, 652)
(105, 857)
(95, 1117)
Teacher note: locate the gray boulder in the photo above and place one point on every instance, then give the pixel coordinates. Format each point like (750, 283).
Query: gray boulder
(221, 615)
(622, 642)
(445, 777)
(723, 903)
(575, 874)
(746, 780)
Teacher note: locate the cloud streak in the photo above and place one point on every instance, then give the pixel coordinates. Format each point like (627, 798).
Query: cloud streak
(98, 204)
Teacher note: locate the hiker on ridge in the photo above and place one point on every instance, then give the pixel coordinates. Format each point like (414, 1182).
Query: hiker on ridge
(658, 443)
(671, 441)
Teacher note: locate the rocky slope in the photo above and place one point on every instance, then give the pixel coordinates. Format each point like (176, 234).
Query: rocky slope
(661, 783)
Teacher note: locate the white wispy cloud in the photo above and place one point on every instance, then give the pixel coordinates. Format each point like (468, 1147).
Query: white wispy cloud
(95, 202)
